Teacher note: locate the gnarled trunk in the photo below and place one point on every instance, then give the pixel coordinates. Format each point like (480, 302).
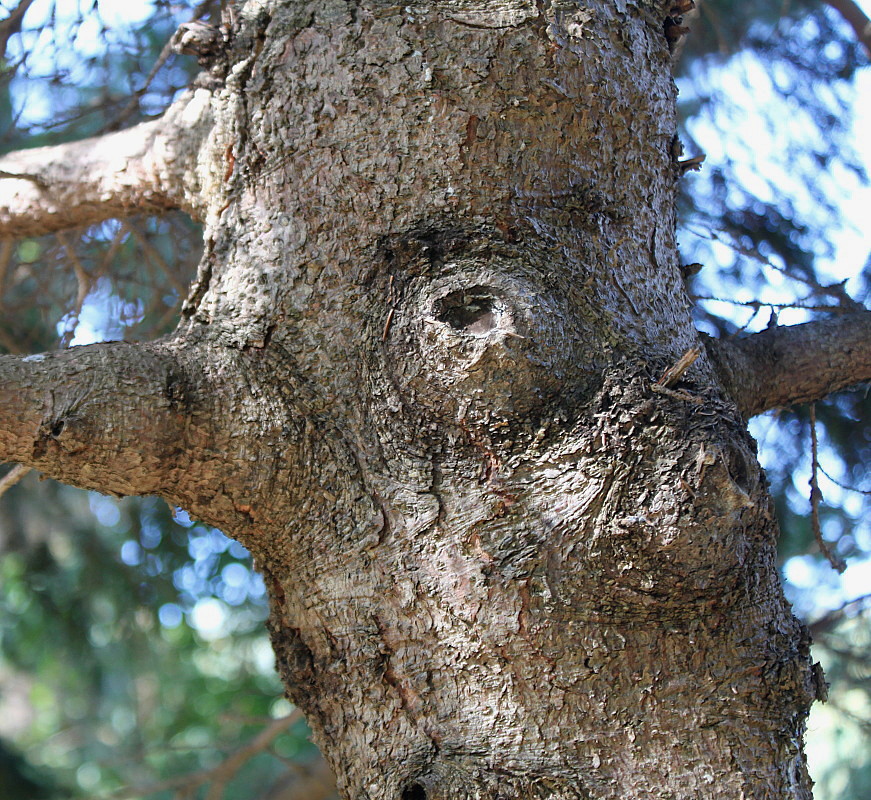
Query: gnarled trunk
(423, 377)
(501, 564)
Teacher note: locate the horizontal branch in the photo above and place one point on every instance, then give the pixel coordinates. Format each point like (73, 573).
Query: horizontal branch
(110, 417)
(149, 168)
(796, 364)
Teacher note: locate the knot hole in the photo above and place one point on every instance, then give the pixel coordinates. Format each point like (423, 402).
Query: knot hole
(473, 310)
(414, 791)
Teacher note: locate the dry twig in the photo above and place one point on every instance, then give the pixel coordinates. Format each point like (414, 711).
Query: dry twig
(816, 495)
(12, 477)
(676, 371)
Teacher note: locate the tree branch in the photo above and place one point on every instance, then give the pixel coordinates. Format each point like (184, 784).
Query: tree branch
(857, 19)
(220, 774)
(796, 364)
(151, 167)
(12, 477)
(12, 24)
(111, 417)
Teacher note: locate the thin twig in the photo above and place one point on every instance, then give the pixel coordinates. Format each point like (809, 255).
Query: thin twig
(83, 283)
(834, 290)
(24, 176)
(112, 249)
(816, 495)
(12, 477)
(829, 620)
(225, 771)
(6, 249)
(133, 103)
(218, 776)
(717, 26)
(844, 485)
(676, 371)
(387, 323)
(12, 24)
(158, 259)
(677, 394)
(759, 305)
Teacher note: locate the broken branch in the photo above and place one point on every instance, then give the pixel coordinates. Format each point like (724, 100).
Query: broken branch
(104, 416)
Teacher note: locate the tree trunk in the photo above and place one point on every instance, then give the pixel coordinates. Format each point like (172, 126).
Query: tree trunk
(438, 373)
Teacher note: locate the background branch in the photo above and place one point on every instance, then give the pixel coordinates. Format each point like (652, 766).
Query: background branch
(12, 24)
(219, 775)
(857, 19)
(12, 477)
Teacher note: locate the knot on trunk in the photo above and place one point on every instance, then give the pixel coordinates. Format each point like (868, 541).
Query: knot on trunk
(199, 39)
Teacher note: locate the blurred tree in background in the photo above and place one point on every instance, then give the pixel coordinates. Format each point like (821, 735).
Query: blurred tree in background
(133, 660)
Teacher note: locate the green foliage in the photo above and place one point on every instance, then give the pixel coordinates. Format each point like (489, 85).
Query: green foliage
(105, 629)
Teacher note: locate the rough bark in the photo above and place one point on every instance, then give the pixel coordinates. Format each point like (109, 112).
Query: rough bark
(162, 418)
(417, 378)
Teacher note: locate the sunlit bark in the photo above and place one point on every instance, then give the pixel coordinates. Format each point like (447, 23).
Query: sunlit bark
(150, 168)
(797, 364)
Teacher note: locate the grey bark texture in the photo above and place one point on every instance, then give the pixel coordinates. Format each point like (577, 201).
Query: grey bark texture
(418, 377)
